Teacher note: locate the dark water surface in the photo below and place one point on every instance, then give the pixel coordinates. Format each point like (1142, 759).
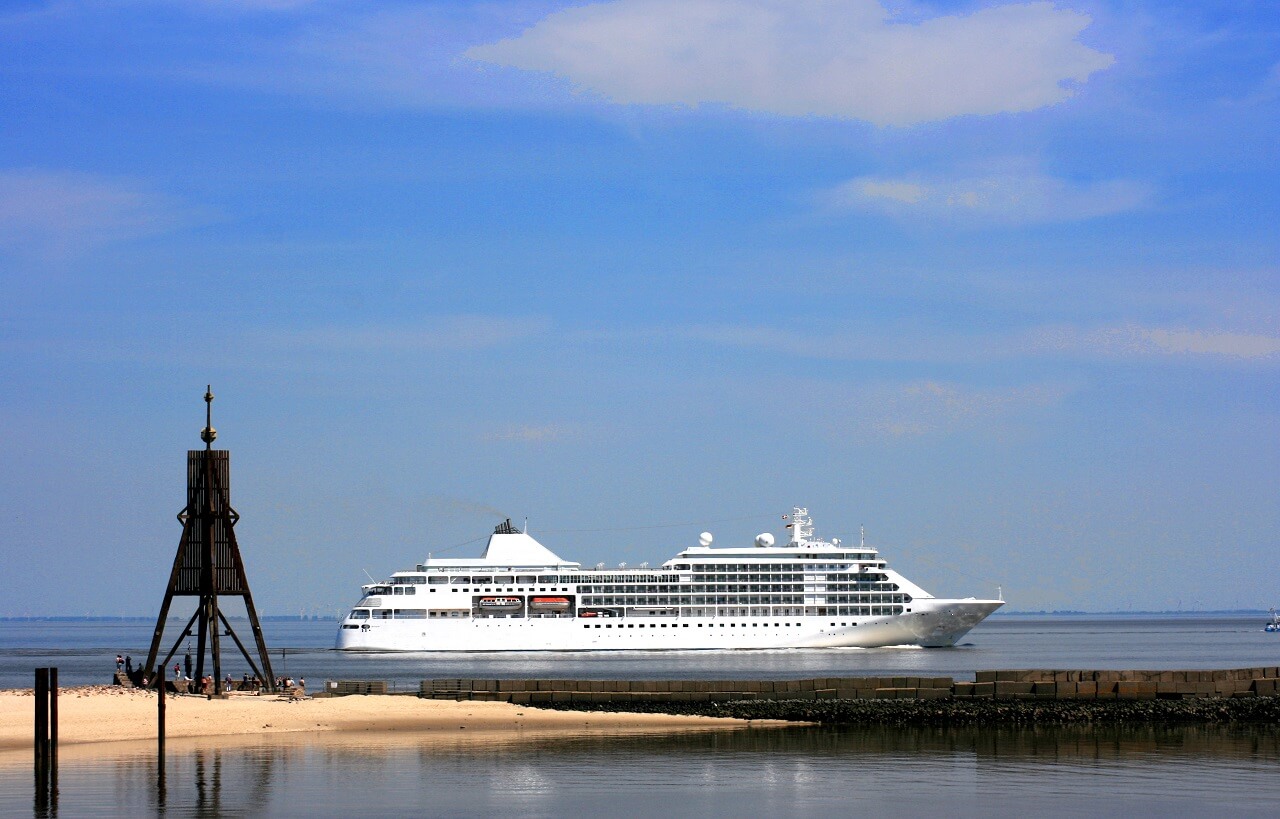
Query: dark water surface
(798, 771)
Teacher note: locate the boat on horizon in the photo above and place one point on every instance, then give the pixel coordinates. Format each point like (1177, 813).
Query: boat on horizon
(520, 596)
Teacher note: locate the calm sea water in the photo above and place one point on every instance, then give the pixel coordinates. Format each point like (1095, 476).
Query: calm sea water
(1182, 771)
(84, 652)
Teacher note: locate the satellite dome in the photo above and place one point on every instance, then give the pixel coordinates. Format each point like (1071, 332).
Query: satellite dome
(705, 539)
(764, 540)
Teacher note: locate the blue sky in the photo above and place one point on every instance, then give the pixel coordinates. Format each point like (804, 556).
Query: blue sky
(999, 281)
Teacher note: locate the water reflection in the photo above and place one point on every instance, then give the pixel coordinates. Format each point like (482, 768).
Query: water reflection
(790, 770)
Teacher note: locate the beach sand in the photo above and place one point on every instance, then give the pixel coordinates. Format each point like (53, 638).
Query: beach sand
(98, 714)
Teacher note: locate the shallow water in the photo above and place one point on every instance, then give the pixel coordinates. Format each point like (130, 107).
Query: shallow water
(791, 772)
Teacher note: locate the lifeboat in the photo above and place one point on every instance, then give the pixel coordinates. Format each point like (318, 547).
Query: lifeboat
(501, 603)
(549, 603)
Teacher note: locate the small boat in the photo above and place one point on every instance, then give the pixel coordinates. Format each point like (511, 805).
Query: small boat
(501, 602)
(549, 603)
(1274, 625)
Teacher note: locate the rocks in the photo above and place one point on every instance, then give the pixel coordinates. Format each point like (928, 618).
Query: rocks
(903, 712)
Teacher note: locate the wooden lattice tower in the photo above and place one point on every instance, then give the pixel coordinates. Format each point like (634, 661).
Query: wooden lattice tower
(208, 565)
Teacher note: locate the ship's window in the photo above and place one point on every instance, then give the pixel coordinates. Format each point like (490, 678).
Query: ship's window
(410, 590)
(436, 581)
(360, 614)
(397, 590)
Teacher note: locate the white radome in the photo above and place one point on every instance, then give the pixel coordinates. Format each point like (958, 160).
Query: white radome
(705, 539)
(764, 540)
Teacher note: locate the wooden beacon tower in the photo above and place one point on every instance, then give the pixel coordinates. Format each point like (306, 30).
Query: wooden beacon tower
(208, 566)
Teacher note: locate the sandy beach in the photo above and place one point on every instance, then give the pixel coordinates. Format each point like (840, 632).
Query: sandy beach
(98, 714)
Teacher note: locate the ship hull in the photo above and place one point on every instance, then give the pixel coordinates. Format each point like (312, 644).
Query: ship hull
(932, 623)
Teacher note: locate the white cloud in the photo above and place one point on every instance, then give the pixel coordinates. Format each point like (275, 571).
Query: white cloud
(527, 434)
(926, 407)
(821, 341)
(847, 59)
(59, 214)
(1013, 194)
(1134, 340)
(431, 333)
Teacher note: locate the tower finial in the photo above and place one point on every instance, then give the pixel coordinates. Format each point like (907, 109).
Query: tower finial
(208, 434)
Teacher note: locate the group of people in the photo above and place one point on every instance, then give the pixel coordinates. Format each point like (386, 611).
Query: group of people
(205, 685)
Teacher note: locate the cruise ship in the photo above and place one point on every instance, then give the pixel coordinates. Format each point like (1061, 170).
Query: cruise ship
(520, 596)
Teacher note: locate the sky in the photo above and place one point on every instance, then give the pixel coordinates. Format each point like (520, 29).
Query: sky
(997, 281)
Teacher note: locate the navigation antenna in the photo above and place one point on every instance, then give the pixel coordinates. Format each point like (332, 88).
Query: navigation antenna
(801, 525)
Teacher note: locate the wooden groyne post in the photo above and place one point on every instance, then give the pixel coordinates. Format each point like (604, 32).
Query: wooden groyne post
(160, 698)
(46, 735)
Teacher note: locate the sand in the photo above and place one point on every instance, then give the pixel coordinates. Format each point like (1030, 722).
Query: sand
(100, 714)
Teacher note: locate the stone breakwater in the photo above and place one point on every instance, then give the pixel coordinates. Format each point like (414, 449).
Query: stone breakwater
(1036, 685)
(1026, 696)
(964, 712)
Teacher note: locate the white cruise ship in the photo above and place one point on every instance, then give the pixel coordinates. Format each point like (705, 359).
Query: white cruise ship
(519, 596)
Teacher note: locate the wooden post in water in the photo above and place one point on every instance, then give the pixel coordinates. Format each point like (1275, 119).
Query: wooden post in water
(53, 722)
(160, 686)
(42, 723)
(46, 738)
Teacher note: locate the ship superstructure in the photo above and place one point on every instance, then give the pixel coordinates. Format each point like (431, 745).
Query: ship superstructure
(520, 596)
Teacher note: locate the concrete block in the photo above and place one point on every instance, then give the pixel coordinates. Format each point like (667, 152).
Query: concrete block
(985, 676)
(985, 690)
(1007, 688)
(933, 693)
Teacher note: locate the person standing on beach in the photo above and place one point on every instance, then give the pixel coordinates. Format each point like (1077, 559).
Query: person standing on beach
(128, 664)
(186, 661)
(119, 662)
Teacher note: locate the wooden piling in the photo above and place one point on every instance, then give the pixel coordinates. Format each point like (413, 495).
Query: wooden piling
(160, 698)
(42, 722)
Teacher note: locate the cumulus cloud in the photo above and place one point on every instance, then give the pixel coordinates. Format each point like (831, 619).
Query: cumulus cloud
(1015, 194)
(56, 213)
(849, 60)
